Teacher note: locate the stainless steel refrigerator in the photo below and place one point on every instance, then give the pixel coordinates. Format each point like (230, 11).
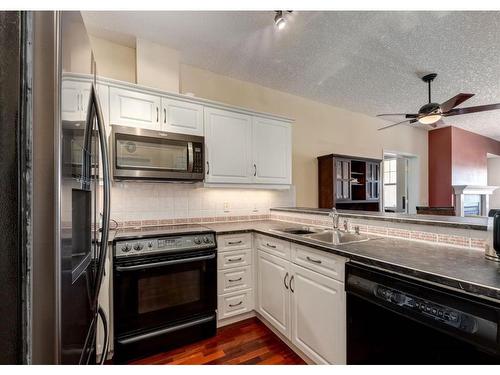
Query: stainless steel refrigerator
(82, 197)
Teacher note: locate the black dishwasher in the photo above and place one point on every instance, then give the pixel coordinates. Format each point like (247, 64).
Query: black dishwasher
(392, 319)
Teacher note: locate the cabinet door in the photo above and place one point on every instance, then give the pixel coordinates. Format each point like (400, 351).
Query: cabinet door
(273, 301)
(318, 316)
(271, 150)
(181, 117)
(343, 174)
(74, 100)
(132, 108)
(228, 146)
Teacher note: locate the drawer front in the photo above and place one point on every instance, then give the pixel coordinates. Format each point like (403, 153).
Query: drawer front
(234, 279)
(235, 258)
(234, 242)
(235, 303)
(273, 246)
(326, 264)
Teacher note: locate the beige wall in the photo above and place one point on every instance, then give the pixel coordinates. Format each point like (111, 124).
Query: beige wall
(157, 66)
(494, 180)
(319, 128)
(114, 60)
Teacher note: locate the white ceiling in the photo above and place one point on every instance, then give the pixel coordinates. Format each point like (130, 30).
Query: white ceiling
(367, 62)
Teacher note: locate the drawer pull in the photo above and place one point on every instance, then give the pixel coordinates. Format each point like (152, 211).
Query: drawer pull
(271, 246)
(235, 260)
(291, 281)
(284, 280)
(236, 304)
(235, 242)
(234, 280)
(317, 261)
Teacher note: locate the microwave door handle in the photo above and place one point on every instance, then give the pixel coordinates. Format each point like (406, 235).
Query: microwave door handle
(165, 263)
(190, 157)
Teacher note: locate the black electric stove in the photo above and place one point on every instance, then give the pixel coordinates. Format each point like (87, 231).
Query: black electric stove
(164, 289)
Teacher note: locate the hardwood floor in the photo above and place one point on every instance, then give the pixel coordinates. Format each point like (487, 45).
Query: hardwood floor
(247, 342)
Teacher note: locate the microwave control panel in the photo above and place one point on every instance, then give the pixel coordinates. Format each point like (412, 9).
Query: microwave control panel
(197, 158)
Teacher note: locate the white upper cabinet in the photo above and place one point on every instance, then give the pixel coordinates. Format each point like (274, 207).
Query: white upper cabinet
(181, 117)
(271, 151)
(246, 149)
(318, 316)
(228, 146)
(74, 100)
(273, 301)
(134, 108)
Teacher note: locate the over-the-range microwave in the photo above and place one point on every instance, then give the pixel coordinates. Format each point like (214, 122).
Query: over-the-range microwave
(140, 154)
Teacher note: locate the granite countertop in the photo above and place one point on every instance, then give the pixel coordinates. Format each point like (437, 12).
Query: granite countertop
(463, 269)
(475, 223)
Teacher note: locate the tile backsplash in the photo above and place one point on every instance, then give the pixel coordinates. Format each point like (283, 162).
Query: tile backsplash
(138, 201)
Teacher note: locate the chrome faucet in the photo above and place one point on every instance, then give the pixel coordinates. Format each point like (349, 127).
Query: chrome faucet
(335, 218)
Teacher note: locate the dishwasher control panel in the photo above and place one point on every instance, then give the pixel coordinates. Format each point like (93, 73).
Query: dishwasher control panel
(446, 315)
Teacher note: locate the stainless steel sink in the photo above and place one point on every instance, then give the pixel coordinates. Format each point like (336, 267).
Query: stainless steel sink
(334, 237)
(337, 237)
(299, 231)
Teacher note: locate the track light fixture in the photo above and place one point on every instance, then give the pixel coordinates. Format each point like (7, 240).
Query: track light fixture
(280, 18)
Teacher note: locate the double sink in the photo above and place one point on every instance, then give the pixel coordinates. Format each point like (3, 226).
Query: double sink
(329, 236)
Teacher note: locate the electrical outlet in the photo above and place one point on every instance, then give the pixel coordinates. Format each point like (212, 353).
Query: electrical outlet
(226, 207)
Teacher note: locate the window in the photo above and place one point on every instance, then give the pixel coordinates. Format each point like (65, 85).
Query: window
(390, 179)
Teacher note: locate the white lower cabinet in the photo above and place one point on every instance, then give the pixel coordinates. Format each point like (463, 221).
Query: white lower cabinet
(235, 274)
(305, 306)
(235, 303)
(232, 279)
(318, 316)
(273, 301)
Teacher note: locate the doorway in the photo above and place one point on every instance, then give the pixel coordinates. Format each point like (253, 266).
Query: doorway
(400, 182)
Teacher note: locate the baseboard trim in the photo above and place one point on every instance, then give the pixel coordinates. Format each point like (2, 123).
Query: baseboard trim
(235, 319)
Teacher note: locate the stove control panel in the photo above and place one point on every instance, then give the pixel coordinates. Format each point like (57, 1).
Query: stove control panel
(145, 246)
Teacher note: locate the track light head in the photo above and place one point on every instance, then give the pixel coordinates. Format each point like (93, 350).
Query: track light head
(280, 18)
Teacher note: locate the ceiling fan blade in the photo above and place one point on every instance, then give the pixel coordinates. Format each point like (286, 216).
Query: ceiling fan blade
(477, 108)
(397, 123)
(406, 115)
(456, 100)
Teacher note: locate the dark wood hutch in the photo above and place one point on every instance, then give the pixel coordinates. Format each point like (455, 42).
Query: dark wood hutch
(349, 182)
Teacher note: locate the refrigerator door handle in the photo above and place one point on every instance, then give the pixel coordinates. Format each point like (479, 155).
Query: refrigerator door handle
(97, 112)
(94, 114)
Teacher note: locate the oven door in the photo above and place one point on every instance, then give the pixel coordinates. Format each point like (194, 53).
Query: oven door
(157, 291)
(147, 154)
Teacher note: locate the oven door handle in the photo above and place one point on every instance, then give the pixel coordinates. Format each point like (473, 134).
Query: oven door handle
(163, 331)
(165, 263)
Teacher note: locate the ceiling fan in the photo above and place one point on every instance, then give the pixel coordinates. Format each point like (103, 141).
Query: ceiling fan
(432, 113)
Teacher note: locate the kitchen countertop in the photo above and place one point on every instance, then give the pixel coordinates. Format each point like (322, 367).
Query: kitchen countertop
(463, 269)
(475, 223)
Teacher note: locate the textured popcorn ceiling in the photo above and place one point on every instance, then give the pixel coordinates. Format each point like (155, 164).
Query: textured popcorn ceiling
(367, 62)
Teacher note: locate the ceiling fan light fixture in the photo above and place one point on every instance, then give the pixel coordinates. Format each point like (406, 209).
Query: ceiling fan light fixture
(430, 118)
